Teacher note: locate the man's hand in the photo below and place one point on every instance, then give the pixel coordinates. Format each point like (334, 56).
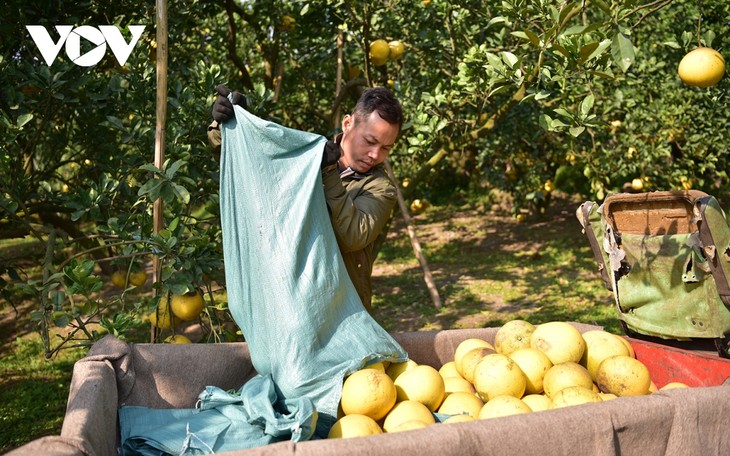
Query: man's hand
(331, 154)
(223, 108)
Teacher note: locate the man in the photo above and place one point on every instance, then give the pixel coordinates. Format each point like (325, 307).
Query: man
(359, 194)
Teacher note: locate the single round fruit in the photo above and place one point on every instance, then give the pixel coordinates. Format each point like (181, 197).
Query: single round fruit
(629, 347)
(377, 366)
(423, 384)
(563, 375)
(458, 419)
(396, 50)
(466, 345)
(368, 392)
(513, 335)
(470, 360)
(460, 402)
(637, 185)
(162, 317)
(353, 72)
(498, 375)
(538, 402)
(178, 339)
(503, 406)
(456, 384)
(599, 346)
(534, 364)
(449, 370)
(623, 376)
(673, 385)
(575, 395)
(119, 279)
(379, 52)
(409, 426)
(138, 278)
(560, 341)
(407, 411)
(188, 306)
(395, 369)
(702, 67)
(354, 426)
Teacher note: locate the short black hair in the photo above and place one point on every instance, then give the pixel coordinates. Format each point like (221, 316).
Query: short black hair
(381, 100)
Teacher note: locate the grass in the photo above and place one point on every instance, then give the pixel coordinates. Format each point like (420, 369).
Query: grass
(489, 269)
(33, 392)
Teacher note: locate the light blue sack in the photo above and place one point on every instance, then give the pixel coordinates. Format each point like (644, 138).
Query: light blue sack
(287, 285)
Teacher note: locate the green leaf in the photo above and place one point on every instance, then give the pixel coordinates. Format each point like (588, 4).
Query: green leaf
(672, 44)
(576, 131)
(23, 119)
(587, 104)
(510, 59)
(622, 51)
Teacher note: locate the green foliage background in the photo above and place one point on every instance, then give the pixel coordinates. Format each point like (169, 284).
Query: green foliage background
(498, 96)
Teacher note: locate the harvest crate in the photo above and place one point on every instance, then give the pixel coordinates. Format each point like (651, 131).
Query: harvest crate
(672, 422)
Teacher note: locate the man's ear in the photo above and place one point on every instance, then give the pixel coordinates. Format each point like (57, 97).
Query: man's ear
(347, 122)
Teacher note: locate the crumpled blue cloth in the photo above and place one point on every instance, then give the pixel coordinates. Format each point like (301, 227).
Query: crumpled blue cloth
(288, 291)
(222, 421)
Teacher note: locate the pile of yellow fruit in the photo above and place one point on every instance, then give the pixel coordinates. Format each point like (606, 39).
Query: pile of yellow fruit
(381, 51)
(528, 368)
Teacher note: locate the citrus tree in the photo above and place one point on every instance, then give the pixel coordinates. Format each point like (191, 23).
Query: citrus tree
(517, 96)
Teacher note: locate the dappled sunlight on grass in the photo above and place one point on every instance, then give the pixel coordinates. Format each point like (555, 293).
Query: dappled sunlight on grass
(489, 269)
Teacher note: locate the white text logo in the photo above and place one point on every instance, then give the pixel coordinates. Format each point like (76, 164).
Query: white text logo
(100, 37)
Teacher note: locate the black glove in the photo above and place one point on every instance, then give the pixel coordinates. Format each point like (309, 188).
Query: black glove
(331, 154)
(223, 108)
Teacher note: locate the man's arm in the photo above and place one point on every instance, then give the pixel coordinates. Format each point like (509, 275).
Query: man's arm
(358, 221)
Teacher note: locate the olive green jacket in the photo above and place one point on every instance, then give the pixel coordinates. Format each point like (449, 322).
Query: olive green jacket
(359, 206)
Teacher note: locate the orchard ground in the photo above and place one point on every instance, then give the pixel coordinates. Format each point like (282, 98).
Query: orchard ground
(488, 267)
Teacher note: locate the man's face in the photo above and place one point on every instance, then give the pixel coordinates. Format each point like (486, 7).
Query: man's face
(366, 141)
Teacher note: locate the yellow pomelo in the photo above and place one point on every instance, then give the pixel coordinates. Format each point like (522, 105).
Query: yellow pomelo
(407, 411)
(673, 385)
(188, 306)
(379, 52)
(449, 370)
(459, 403)
(653, 388)
(575, 395)
(564, 375)
(538, 402)
(534, 364)
(457, 384)
(178, 339)
(354, 426)
(470, 360)
(560, 341)
(607, 396)
(628, 345)
(623, 376)
(503, 406)
(512, 336)
(163, 317)
(368, 392)
(498, 375)
(702, 67)
(466, 345)
(396, 50)
(410, 426)
(377, 366)
(395, 369)
(119, 279)
(599, 346)
(423, 384)
(138, 278)
(458, 419)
